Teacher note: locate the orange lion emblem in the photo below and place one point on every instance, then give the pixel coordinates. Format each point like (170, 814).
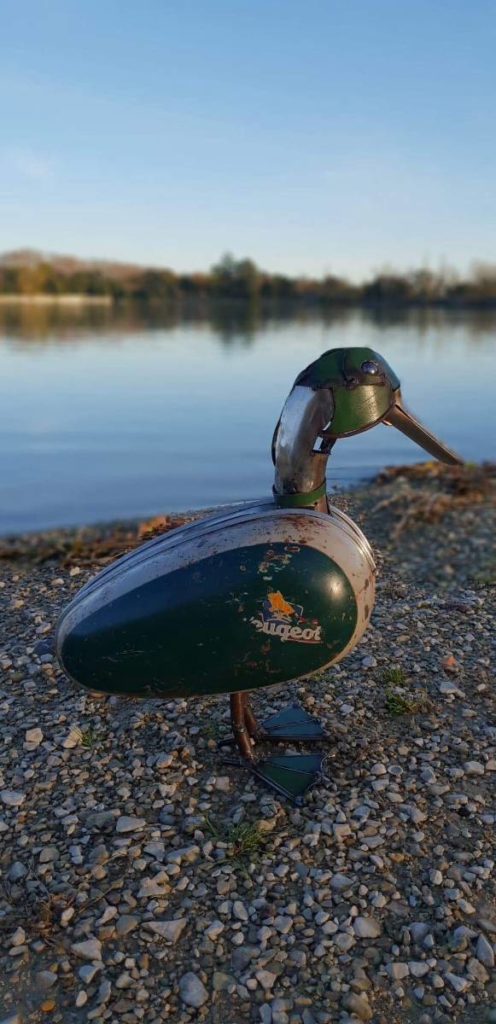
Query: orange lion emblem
(279, 607)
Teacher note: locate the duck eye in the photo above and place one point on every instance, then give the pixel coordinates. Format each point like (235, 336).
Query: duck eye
(369, 367)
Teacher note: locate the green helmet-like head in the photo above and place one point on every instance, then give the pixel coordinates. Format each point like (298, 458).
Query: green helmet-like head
(366, 391)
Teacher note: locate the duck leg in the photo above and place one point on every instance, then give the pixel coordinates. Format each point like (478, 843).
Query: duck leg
(292, 724)
(290, 775)
(239, 725)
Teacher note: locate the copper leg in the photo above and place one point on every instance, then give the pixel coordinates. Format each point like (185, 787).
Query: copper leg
(238, 722)
(250, 720)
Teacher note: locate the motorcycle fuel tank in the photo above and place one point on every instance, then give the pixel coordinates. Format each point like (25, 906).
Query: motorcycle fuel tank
(233, 602)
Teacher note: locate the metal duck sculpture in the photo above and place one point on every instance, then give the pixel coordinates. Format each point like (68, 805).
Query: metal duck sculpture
(256, 596)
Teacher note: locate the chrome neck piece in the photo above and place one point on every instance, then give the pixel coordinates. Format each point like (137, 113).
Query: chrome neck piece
(300, 449)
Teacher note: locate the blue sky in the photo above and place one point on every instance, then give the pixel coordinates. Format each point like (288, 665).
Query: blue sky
(314, 136)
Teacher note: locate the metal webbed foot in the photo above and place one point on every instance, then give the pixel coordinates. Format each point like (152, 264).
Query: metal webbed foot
(291, 775)
(292, 724)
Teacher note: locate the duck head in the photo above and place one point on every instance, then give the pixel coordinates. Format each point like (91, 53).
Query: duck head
(344, 392)
(365, 392)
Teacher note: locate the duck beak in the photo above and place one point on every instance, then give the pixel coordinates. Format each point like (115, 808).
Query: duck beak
(398, 416)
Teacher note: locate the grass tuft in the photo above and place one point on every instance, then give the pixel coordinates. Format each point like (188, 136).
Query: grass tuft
(243, 841)
(404, 703)
(394, 676)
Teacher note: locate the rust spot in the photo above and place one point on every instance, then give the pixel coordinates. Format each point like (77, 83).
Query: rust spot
(366, 611)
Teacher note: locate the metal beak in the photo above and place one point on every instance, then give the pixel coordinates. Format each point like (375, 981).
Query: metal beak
(403, 420)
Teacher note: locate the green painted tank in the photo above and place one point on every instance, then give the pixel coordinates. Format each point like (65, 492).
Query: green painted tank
(230, 603)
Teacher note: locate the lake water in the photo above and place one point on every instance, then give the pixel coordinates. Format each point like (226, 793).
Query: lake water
(109, 414)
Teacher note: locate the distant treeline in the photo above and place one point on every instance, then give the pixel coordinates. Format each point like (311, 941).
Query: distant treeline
(235, 279)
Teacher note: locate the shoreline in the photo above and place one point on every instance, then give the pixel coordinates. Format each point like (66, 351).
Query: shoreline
(392, 507)
(42, 299)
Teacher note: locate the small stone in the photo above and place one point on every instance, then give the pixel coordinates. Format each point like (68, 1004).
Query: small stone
(341, 831)
(129, 824)
(418, 930)
(187, 853)
(214, 930)
(125, 924)
(48, 854)
(18, 938)
(73, 738)
(283, 924)
(192, 990)
(223, 784)
(164, 761)
(418, 968)
(169, 930)
(33, 736)
(17, 871)
(240, 911)
(477, 970)
(359, 1005)
(45, 979)
(398, 971)
(369, 661)
(12, 797)
(449, 689)
(457, 983)
(340, 882)
(81, 999)
(153, 887)
(461, 938)
(90, 949)
(435, 877)
(367, 928)
(87, 973)
(266, 979)
(474, 768)
(484, 952)
(124, 980)
(222, 982)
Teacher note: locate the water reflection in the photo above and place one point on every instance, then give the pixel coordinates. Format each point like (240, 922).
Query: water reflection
(116, 411)
(232, 323)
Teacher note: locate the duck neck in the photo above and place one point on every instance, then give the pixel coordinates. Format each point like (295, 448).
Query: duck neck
(300, 449)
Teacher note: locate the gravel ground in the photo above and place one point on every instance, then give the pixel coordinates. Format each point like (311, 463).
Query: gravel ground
(142, 880)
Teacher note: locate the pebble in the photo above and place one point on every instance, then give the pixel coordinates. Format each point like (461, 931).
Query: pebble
(90, 949)
(398, 971)
(88, 972)
(12, 797)
(169, 930)
(126, 924)
(73, 738)
(129, 824)
(46, 979)
(34, 736)
(485, 952)
(266, 979)
(214, 930)
(457, 983)
(192, 990)
(367, 927)
(359, 1005)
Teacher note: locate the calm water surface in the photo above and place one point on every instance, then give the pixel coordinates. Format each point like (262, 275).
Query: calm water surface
(110, 414)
